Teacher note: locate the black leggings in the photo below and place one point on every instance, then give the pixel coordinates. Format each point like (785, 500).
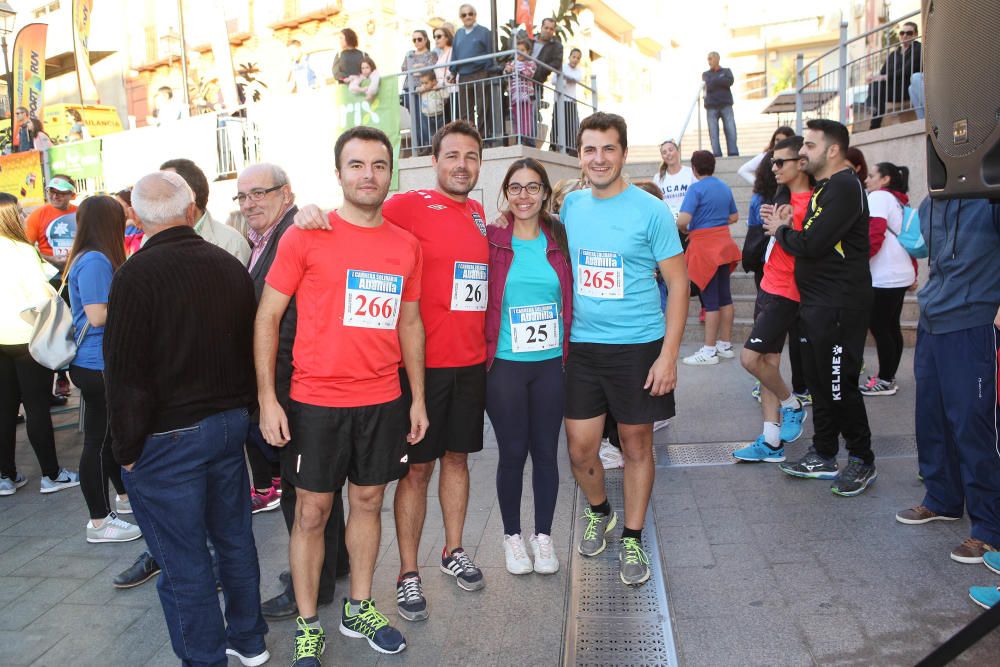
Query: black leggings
(884, 325)
(97, 462)
(24, 381)
(262, 471)
(525, 403)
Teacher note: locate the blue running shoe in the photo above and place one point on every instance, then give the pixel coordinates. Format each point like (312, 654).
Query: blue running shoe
(791, 423)
(758, 451)
(991, 559)
(309, 645)
(370, 624)
(984, 596)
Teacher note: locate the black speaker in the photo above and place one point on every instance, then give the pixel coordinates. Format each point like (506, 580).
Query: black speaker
(961, 65)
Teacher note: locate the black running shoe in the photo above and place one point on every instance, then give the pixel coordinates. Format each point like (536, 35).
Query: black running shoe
(854, 479)
(460, 566)
(142, 570)
(811, 466)
(410, 601)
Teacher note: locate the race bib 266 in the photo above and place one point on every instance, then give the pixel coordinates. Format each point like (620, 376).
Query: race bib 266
(372, 299)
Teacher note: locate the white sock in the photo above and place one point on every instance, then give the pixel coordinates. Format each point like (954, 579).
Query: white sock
(792, 402)
(710, 351)
(723, 345)
(772, 434)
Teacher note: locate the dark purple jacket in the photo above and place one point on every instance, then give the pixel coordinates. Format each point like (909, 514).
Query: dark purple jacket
(501, 257)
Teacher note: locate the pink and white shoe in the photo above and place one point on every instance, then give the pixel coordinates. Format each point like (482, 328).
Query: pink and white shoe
(264, 502)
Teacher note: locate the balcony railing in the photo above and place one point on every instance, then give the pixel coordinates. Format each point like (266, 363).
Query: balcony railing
(864, 79)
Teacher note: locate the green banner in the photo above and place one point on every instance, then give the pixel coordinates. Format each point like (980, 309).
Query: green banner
(79, 160)
(354, 109)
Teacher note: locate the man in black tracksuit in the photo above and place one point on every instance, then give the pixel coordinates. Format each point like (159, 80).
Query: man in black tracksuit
(835, 285)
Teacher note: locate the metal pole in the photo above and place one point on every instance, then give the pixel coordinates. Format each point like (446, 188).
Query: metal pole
(9, 79)
(698, 114)
(798, 93)
(76, 59)
(496, 28)
(558, 117)
(842, 73)
(184, 61)
(593, 91)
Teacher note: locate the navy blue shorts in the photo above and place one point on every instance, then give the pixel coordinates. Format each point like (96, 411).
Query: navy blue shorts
(717, 293)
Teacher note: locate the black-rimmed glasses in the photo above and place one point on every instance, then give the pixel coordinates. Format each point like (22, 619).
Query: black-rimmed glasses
(256, 194)
(514, 189)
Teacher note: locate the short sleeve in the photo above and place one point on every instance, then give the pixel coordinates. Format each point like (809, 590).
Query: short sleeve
(412, 284)
(753, 217)
(394, 210)
(93, 279)
(691, 199)
(31, 226)
(289, 264)
(664, 239)
(732, 202)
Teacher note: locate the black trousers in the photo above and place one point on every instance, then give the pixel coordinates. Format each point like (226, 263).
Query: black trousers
(97, 463)
(336, 558)
(25, 381)
(832, 354)
(884, 325)
(799, 384)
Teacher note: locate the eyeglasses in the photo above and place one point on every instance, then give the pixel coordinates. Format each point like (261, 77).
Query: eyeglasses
(256, 194)
(514, 189)
(779, 162)
(439, 36)
(417, 40)
(903, 33)
(58, 193)
(467, 15)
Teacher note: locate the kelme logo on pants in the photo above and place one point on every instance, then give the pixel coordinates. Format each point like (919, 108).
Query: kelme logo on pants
(838, 352)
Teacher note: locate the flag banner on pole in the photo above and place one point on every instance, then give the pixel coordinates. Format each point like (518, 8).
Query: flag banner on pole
(526, 15)
(29, 71)
(81, 26)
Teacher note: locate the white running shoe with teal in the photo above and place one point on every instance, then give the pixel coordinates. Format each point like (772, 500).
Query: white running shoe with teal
(9, 487)
(991, 559)
(791, 423)
(64, 480)
(759, 451)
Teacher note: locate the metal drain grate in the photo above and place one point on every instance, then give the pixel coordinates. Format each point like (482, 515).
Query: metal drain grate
(608, 623)
(721, 453)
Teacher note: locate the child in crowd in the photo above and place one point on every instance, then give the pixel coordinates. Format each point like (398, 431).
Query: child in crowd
(433, 101)
(367, 82)
(522, 94)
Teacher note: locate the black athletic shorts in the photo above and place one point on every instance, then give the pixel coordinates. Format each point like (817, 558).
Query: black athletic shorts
(366, 445)
(773, 318)
(456, 405)
(603, 379)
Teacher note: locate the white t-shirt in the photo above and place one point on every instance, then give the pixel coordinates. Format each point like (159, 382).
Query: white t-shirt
(674, 187)
(891, 266)
(572, 75)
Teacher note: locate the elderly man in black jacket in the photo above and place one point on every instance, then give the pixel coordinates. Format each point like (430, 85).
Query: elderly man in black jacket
(267, 202)
(549, 50)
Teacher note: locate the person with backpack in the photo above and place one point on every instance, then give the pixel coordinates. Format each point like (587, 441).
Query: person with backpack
(893, 270)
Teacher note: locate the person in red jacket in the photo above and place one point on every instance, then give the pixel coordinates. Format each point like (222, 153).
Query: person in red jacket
(528, 317)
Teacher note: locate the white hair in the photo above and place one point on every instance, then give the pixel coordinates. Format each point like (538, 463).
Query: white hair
(161, 198)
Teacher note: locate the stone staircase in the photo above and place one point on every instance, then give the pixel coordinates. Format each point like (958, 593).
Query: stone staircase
(743, 288)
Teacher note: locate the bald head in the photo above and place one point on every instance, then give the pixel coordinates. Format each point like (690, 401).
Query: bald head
(162, 200)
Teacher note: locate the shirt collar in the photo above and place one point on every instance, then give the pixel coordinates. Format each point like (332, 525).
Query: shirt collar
(198, 226)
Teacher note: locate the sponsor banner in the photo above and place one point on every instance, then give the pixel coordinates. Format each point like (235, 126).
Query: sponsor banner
(526, 15)
(29, 70)
(79, 160)
(354, 109)
(81, 34)
(21, 175)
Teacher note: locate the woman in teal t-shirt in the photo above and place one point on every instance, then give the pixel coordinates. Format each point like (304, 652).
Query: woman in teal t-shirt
(98, 251)
(527, 332)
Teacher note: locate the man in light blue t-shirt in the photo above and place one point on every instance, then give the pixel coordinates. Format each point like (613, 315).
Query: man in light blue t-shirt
(622, 357)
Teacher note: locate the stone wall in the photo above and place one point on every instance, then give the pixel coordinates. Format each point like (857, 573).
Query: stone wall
(903, 144)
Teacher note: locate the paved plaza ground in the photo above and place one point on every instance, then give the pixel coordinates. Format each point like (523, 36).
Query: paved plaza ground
(759, 568)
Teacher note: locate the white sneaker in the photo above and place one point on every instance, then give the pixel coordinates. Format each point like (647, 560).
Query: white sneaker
(546, 561)
(113, 530)
(702, 358)
(66, 479)
(249, 660)
(725, 352)
(122, 505)
(663, 423)
(611, 456)
(517, 558)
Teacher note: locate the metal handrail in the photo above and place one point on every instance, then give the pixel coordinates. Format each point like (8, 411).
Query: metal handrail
(863, 35)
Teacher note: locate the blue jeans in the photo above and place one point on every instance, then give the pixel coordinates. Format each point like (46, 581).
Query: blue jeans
(190, 485)
(917, 93)
(728, 126)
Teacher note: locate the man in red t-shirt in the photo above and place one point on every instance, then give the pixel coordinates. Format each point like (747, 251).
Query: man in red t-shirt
(357, 295)
(54, 242)
(776, 312)
(452, 233)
